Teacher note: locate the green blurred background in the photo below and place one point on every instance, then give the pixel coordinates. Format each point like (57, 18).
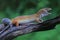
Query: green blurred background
(13, 8)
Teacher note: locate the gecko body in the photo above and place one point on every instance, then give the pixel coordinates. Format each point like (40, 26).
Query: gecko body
(30, 18)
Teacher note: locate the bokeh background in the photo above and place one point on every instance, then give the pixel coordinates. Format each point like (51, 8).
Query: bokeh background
(14, 8)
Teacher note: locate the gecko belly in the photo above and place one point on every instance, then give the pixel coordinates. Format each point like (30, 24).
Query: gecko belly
(26, 21)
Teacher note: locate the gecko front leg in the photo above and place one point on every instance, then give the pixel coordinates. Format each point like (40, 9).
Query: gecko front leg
(39, 20)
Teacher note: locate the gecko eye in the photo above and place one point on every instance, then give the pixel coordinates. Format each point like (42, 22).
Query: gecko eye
(48, 9)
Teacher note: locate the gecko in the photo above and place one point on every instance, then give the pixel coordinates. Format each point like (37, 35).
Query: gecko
(37, 17)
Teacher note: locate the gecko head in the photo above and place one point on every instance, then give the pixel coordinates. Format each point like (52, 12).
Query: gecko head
(45, 11)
